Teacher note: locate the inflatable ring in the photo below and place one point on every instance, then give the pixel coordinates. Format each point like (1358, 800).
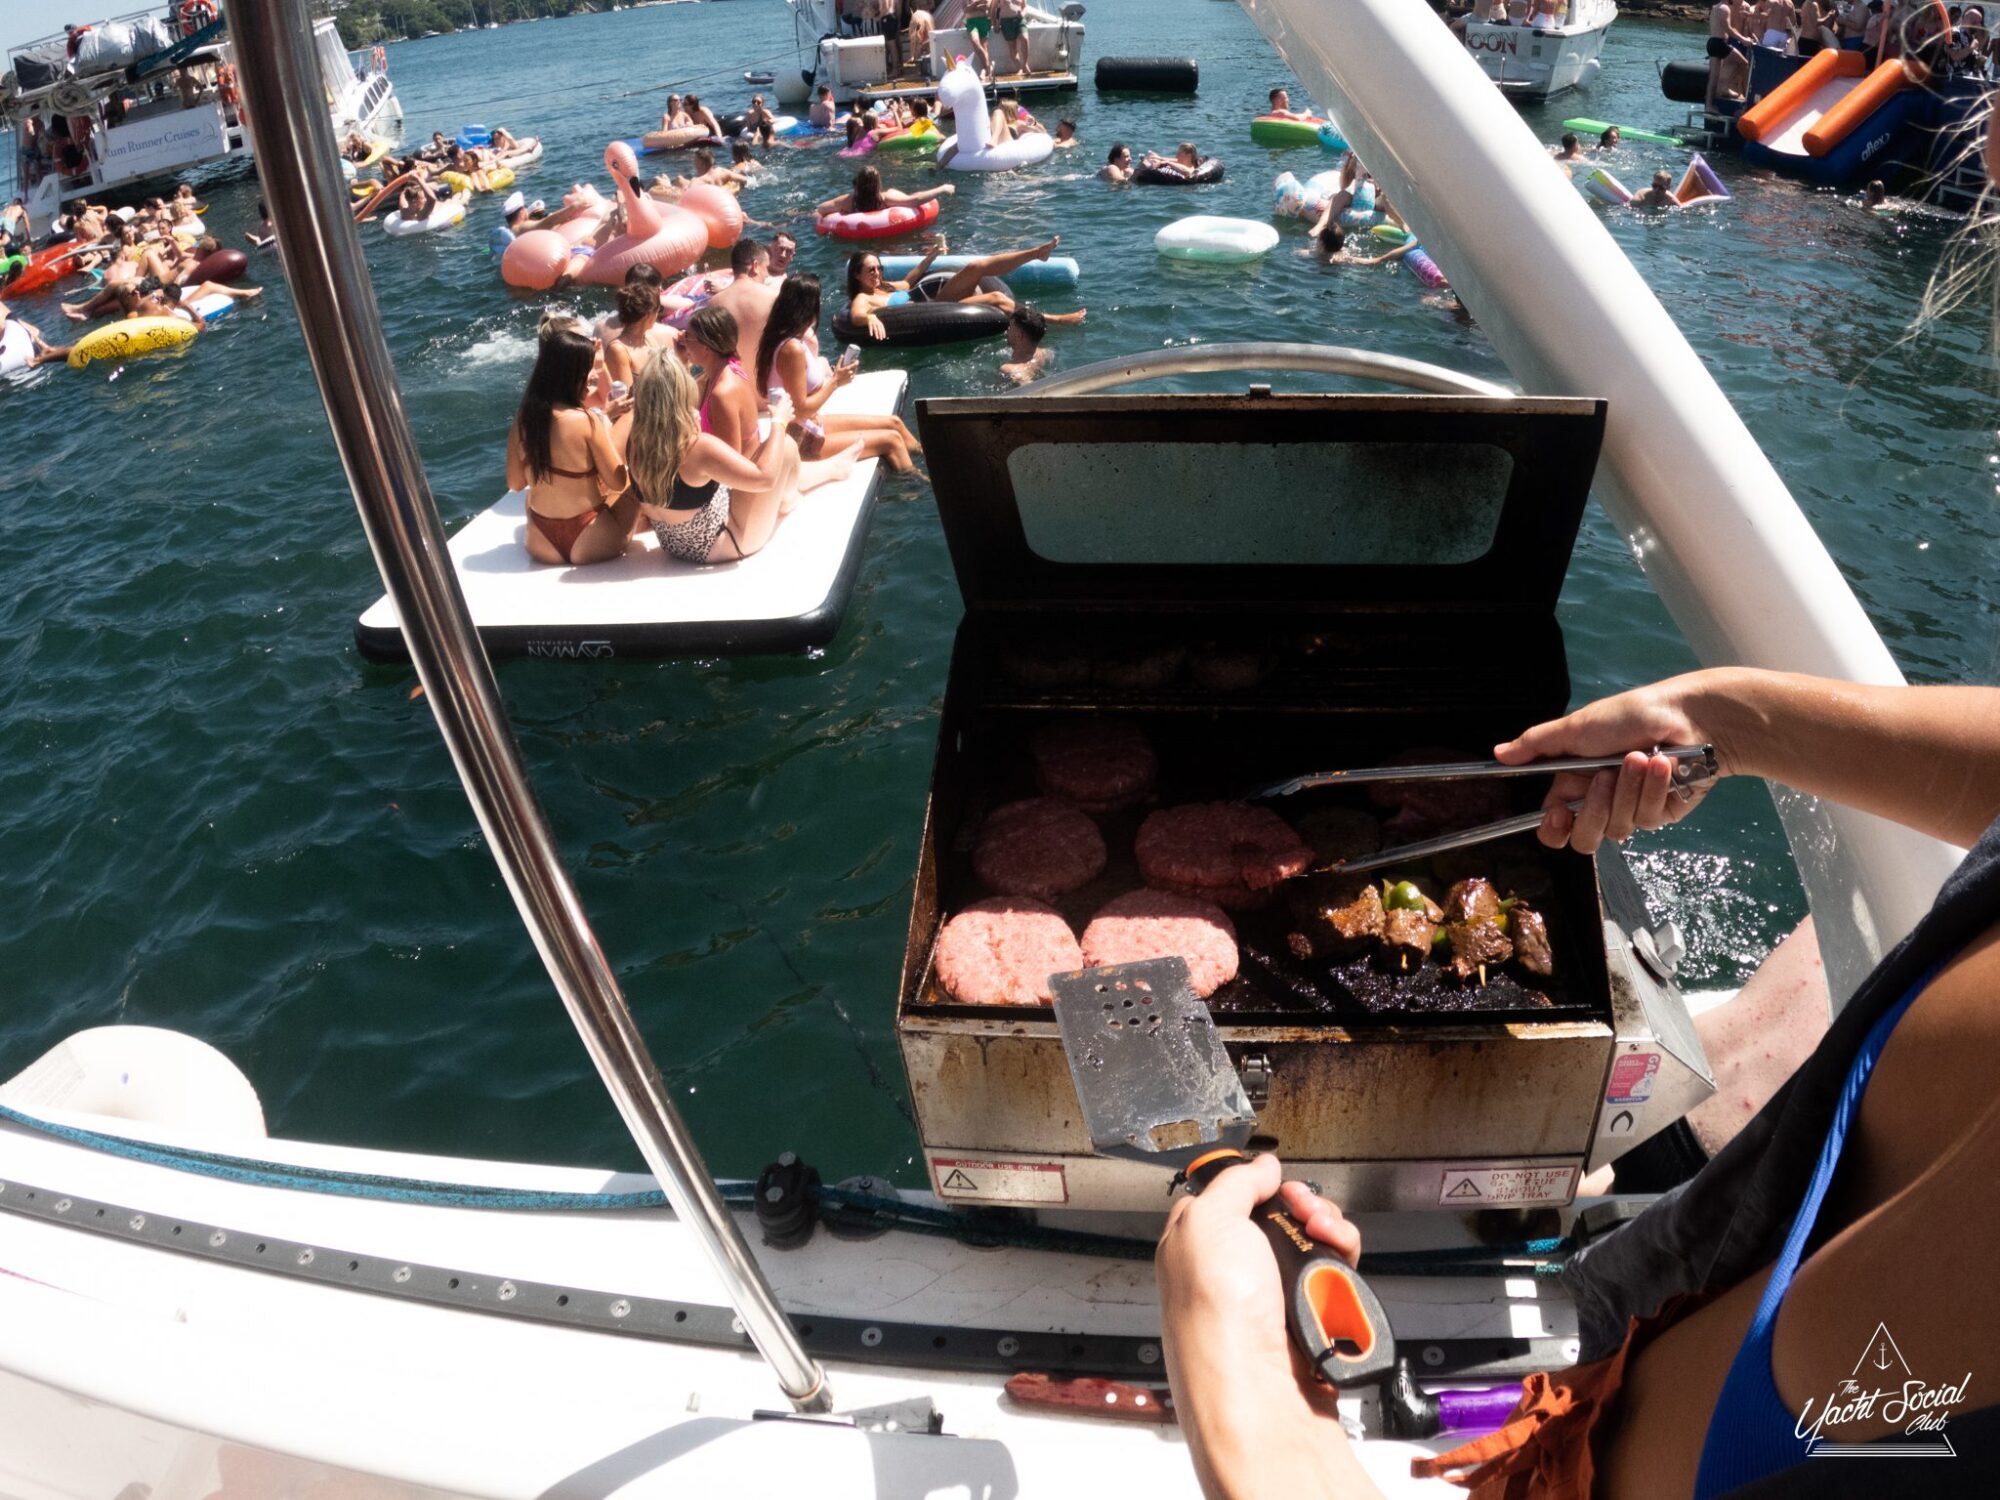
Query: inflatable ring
(1292, 199)
(690, 294)
(130, 338)
(1418, 259)
(918, 137)
(921, 322)
(1219, 241)
(1210, 170)
(1331, 139)
(524, 155)
(449, 212)
(1277, 130)
(881, 223)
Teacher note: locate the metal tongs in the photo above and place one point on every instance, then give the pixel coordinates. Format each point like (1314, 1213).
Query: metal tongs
(1694, 766)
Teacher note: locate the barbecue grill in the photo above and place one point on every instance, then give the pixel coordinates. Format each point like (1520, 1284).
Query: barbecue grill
(1268, 584)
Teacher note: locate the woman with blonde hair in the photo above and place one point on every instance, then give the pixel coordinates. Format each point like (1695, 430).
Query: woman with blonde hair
(706, 502)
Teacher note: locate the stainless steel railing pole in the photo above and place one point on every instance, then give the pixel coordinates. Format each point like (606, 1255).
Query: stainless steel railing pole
(293, 134)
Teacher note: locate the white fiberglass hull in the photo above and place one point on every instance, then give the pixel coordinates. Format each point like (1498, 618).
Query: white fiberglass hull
(1719, 537)
(128, 1363)
(1530, 64)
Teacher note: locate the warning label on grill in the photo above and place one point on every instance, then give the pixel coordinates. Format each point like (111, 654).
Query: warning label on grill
(1632, 1078)
(1505, 1187)
(964, 1180)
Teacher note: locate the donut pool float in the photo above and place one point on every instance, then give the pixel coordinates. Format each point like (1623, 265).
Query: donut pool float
(1216, 240)
(879, 224)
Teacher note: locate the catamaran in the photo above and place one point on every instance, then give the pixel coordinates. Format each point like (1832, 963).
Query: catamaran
(111, 107)
(194, 1307)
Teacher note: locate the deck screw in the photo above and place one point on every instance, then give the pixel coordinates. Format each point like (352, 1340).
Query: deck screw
(1433, 1355)
(871, 1336)
(305, 1257)
(1008, 1347)
(620, 1308)
(400, 1274)
(1149, 1354)
(506, 1291)
(137, 1221)
(62, 1205)
(217, 1239)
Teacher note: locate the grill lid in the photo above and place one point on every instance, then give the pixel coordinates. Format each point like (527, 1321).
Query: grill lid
(1290, 503)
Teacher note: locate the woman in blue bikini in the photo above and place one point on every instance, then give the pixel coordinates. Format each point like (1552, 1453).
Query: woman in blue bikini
(1722, 1324)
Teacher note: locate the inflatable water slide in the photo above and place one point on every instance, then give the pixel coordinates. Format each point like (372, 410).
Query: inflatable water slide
(1833, 121)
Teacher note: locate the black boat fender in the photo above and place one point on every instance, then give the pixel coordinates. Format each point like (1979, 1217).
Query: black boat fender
(1151, 75)
(1684, 82)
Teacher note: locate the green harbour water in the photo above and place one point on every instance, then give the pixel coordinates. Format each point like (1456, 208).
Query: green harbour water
(215, 817)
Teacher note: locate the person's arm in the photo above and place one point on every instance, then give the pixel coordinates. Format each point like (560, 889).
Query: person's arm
(1326, 217)
(1396, 254)
(1925, 757)
(518, 477)
(715, 459)
(1254, 1426)
(844, 204)
(896, 195)
(790, 365)
(860, 312)
(604, 454)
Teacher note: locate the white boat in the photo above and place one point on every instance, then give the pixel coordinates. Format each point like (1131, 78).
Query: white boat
(1539, 62)
(139, 128)
(856, 68)
(192, 1308)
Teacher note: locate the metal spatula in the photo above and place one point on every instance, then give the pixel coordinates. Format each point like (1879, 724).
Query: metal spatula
(1155, 1086)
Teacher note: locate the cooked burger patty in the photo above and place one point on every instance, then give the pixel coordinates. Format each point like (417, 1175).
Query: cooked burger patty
(1042, 846)
(1157, 924)
(1226, 852)
(1002, 951)
(1101, 763)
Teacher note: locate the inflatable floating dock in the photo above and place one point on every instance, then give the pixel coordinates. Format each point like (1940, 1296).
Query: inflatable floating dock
(789, 597)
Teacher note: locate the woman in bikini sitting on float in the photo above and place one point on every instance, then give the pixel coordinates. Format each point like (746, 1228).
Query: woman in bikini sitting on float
(868, 292)
(560, 451)
(786, 362)
(706, 502)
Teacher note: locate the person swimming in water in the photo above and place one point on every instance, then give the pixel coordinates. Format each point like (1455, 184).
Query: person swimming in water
(1875, 195)
(1281, 107)
(1609, 140)
(1118, 164)
(869, 293)
(1029, 360)
(1571, 148)
(1659, 195)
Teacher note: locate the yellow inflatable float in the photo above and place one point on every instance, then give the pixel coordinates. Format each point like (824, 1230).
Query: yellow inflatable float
(130, 339)
(497, 180)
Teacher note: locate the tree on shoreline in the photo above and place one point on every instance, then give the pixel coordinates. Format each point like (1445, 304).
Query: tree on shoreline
(365, 22)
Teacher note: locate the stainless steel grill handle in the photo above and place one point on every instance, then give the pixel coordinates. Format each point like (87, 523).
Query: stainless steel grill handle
(1318, 359)
(293, 134)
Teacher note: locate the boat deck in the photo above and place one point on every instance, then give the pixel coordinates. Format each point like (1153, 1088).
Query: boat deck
(911, 85)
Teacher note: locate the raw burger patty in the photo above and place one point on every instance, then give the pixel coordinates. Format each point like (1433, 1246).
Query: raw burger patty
(1001, 952)
(1226, 852)
(1100, 764)
(1156, 924)
(1040, 847)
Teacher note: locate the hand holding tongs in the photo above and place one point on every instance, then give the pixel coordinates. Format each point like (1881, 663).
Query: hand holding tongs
(1694, 766)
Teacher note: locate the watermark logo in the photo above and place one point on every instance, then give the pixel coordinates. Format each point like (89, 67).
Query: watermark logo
(1882, 1388)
